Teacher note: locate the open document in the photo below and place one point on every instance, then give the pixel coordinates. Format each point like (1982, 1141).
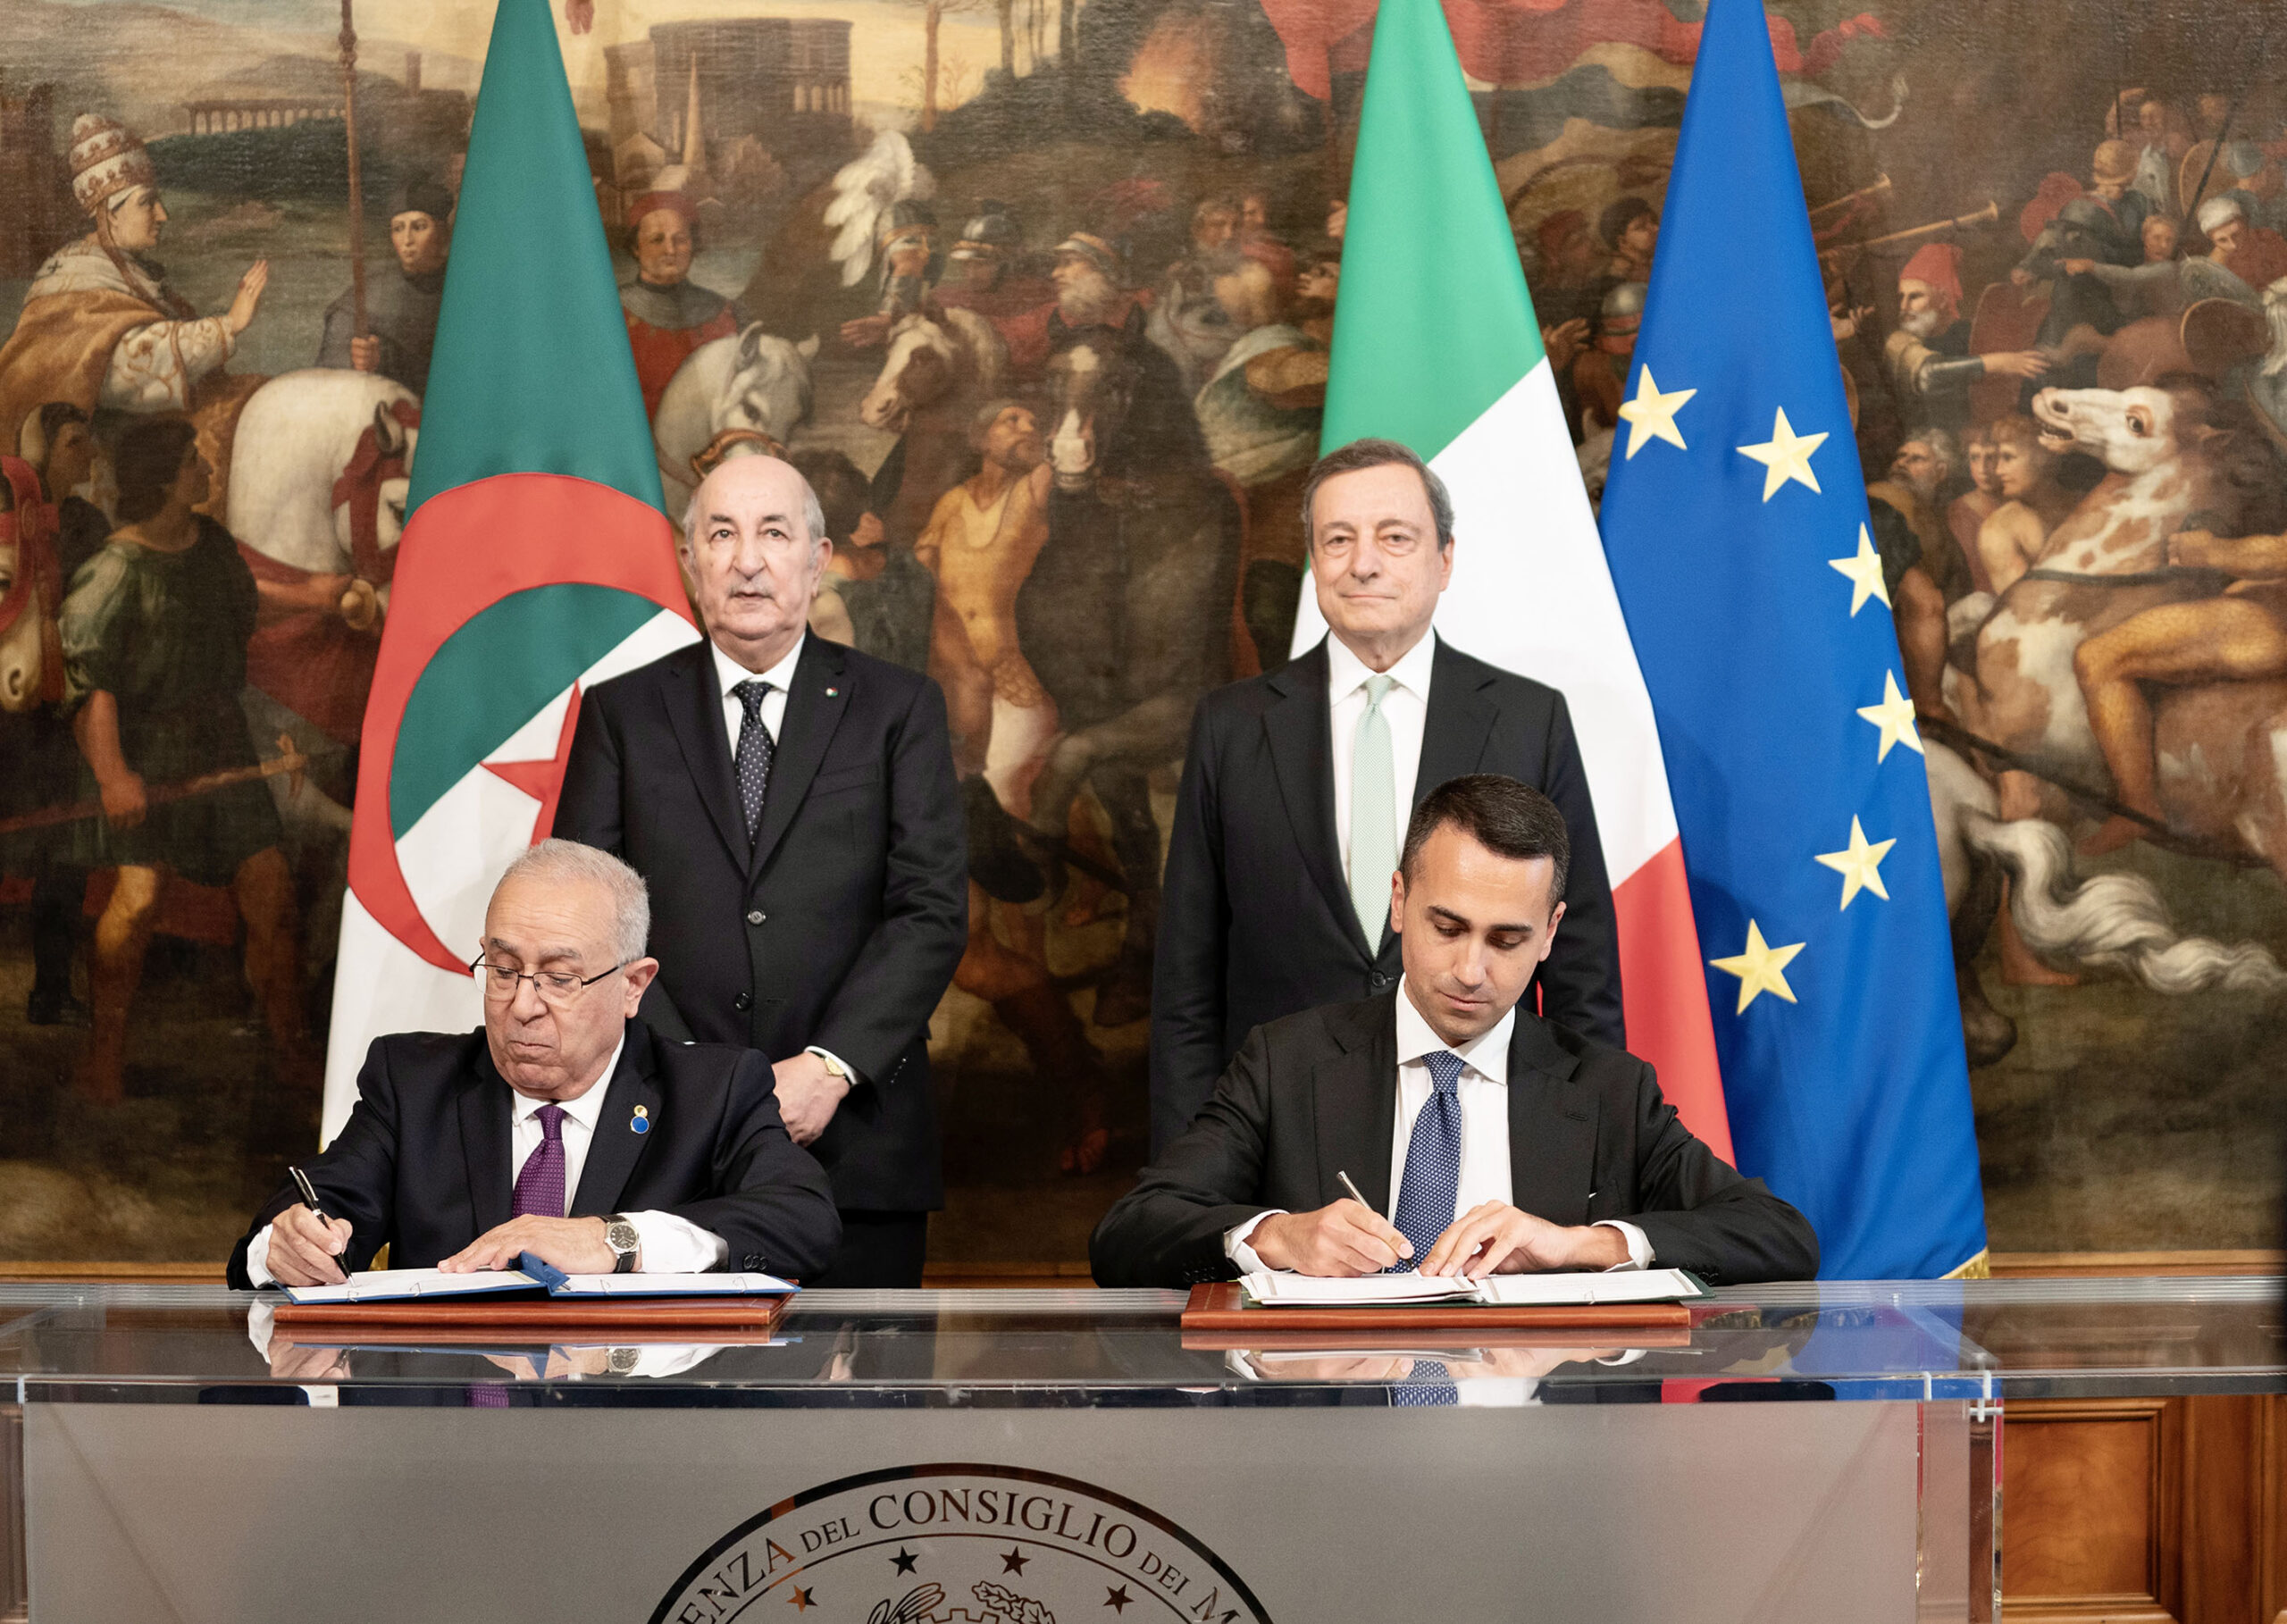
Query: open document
(1494, 1291)
(404, 1285)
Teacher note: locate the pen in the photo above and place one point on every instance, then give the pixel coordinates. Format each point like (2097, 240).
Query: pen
(310, 1200)
(1354, 1196)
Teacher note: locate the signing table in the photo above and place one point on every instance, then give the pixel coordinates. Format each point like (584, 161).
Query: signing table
(1054, 1457)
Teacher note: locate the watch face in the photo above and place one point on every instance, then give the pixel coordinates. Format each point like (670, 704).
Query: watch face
(622, 1236)
(621, 1361)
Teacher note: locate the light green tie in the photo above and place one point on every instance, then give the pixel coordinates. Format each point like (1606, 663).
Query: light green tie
(1373, 815)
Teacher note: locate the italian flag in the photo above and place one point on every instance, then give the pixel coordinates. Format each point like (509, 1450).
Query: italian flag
(1436, 345)
(536, 562)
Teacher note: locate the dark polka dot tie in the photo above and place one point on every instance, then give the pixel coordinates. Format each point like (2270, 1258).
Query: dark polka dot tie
(1432, 1182)
(1429, 1382)
(756, 747)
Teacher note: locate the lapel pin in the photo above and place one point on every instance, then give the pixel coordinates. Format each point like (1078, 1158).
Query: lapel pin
(640, 1122)
(832, 692)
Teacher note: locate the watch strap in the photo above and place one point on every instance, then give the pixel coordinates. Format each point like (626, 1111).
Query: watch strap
(623, 1262)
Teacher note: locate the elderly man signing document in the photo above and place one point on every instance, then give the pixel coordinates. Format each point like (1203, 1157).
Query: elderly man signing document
(564, 1128)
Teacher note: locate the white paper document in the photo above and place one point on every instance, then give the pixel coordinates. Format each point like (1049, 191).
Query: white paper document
(404, 1285)
(1501, 1291)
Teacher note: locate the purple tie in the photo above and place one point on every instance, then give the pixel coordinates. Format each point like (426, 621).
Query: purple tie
(539, 1187)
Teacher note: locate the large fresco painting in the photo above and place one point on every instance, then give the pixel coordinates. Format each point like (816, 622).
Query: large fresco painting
(948, 254)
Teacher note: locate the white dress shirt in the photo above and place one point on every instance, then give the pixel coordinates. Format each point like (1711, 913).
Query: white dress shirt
(670, 1245)
(1484, 1091)
(1405, 709)
(730, 674)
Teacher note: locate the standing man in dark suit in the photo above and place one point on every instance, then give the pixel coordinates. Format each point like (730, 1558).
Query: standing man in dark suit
(1484, 1139)
(793, 804)
(1297, 785)
(563, 1128)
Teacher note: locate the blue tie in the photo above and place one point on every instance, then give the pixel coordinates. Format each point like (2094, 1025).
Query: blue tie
(752, 766)
(1432, 1184)
(1429, 1382)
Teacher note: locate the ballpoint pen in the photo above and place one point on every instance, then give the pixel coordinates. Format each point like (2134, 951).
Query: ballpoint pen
(310, 1200)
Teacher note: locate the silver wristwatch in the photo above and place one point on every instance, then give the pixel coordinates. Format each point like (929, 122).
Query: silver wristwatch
(623, 1240)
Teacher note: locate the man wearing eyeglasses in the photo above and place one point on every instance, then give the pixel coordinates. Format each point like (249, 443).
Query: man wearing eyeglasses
(564, 1128)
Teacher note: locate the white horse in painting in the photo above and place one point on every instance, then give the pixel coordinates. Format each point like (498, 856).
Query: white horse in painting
(751, 379)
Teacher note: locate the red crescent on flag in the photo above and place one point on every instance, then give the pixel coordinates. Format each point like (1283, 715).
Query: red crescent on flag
(465, 550)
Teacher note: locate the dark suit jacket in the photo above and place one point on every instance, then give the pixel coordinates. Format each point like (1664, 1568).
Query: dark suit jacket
(1257, 922)
(422, 1165)
(1590, 1138)
(839, 926)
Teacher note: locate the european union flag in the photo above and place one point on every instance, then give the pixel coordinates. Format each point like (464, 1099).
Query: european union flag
(1736, 524)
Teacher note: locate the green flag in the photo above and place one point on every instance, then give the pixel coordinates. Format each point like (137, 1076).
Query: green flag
(1436, 345)
(535, 561)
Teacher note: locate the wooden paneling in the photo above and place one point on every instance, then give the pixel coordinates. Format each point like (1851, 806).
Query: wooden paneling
(2145, 1509)
(2055, 1264)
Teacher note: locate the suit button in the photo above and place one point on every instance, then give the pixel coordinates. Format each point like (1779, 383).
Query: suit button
(743, 1003)
(755, 916)
(1380, 981)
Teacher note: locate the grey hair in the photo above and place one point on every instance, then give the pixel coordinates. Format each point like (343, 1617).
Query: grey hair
(1942, 445)
(1361, 453)
(813, 511)
(558, 861)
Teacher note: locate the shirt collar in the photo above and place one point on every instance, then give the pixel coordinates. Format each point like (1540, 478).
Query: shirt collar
(1345, 672)
(589, 1107)
(729, 673)
(1487, 1056)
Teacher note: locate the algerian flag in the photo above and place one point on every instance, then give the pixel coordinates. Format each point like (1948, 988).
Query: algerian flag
(1435, 344)
(536, 562)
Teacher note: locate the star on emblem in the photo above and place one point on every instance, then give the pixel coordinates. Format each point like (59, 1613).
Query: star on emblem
(1760, 967)
(1865, 573)
(1652, 414)
(1860, 863)
(1895, 716)
(1117, 1600)
(1785, 456)
(905, 1559)
(801, 1600)
(1013, 1561)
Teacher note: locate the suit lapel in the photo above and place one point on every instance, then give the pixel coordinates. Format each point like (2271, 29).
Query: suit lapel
(1458, 721)
(816, 702)
(696, 715)
(1552, 1127)
(1354, 1096)
(1301, 753)
(485, 1141)
(615, 1147)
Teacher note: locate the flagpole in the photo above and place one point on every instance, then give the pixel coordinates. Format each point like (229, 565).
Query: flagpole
(356, 185)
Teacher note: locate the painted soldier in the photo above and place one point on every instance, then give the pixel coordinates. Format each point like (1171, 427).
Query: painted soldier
(668, 314)
(1928, 353)
(401, 305)
(100, 325)
(153, 633)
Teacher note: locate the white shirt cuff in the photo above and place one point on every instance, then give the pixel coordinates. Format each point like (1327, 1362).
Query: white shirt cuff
(1236, 1247)
(1639, 1244)
(848, 1072)
(258, 1258)
(673, 1246)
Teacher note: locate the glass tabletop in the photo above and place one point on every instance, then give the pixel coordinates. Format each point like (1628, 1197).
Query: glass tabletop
(1910, 1341)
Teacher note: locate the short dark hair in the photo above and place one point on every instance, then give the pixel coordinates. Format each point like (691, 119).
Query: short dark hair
(1508, 818)
(1361, 453)
(1620, 214)
(150, 455)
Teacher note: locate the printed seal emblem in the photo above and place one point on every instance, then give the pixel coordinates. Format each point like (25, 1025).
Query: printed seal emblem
(956, 1543)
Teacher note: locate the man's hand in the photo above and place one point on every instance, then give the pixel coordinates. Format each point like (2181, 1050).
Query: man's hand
(307, 1249)
(1564, 341)
(241, 312)
(2192, 547)
(291, 1362)
(366, 354)
(1344, 1239)
(1493, 1237)
(863, 332)
(124, 804)
(2016, 363)
(807, 1095)
(574, 1245)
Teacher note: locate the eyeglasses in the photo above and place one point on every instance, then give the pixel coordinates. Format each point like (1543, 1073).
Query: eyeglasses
(557, 988)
